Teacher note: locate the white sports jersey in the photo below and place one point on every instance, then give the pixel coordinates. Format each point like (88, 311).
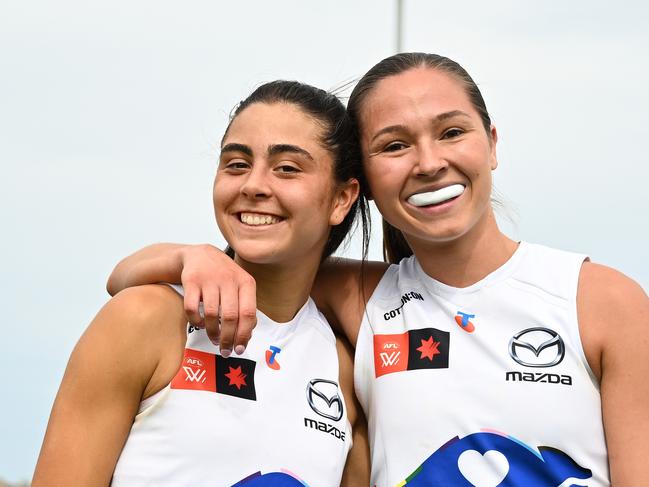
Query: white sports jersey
(274, 415)
(486, 385)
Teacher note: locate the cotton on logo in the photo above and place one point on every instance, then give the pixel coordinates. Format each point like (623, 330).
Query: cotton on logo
(194, 375)
(389, 359)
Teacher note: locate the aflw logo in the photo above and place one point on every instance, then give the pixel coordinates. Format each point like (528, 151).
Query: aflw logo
(194, 375)
(389, 359)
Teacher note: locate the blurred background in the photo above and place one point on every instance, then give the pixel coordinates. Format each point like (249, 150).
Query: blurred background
(111, 114)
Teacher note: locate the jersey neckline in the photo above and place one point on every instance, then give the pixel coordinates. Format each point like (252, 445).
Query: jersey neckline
(278, 329)
(499, 274)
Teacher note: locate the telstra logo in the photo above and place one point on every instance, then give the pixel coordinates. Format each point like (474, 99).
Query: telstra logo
(271, 360)
(463, 319)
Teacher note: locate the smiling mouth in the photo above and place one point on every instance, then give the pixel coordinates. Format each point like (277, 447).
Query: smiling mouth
(258, 219)
(436, 197)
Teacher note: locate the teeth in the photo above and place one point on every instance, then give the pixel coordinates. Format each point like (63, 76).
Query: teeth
(435, 197)
(257, 219)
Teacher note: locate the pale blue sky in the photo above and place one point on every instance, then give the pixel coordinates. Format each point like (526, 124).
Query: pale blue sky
(111, 112)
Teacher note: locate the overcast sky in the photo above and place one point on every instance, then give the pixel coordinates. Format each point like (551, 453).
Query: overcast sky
(111, 113)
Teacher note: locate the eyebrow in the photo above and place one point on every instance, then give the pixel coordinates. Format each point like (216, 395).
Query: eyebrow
(439, 118)
(235, 147)
(280, 148)
(273, 149)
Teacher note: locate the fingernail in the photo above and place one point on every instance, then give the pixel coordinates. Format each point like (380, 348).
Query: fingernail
(225, 353)
(239, 349)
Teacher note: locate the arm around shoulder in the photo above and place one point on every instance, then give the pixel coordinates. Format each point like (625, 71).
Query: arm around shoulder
(614, 324)
(210, 278)
(155, 263)
(115, 362)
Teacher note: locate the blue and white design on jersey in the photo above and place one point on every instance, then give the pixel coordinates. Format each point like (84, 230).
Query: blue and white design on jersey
(273, 479)
(493, 459)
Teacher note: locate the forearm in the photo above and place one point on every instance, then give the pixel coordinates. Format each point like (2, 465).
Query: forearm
(155, 263)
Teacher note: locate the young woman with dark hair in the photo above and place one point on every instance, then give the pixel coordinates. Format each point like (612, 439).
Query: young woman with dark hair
(147, 400)
(479, 360)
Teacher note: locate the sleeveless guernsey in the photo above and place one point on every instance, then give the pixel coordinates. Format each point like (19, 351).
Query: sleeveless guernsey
(481, 386)
(274, 415)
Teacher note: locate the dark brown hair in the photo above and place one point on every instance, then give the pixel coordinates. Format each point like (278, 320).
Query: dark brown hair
(395, 246)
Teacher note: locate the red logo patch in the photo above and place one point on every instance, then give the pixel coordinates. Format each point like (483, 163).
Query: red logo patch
(424, 348)
(390, 353)
(197, 372)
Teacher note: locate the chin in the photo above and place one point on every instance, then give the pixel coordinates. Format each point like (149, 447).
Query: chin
(266, 256)
(438, 235)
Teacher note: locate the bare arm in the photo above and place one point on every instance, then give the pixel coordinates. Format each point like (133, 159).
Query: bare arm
(614, 324)
(155, 263)
(357, 468)
(110, 370)
(208, 275)
(341, 291)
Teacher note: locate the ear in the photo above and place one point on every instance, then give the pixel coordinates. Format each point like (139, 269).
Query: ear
(344, 198)
(494, 140)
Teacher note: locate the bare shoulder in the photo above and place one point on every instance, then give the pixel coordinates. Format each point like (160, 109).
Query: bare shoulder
(342, 289)
(143, 328)
(127, 352)
(134, 343)
(613, 311)
(605, 294)
(153, 319)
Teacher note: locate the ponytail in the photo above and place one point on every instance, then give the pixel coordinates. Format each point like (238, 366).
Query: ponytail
(395, 246)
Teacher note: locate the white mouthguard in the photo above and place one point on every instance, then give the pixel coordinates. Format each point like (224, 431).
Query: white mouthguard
(435, 197)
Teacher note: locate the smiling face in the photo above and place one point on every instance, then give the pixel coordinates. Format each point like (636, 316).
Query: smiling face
(427, 156)
(274, 192)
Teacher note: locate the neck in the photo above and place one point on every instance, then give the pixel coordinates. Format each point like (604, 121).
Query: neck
(467, 259)
(281, 289)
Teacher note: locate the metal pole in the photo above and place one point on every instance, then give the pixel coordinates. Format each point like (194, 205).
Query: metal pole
(399, 26)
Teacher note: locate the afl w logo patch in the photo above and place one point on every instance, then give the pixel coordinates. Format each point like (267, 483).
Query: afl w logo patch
(426, 348)
(197, 372)
(202, 371)
(537, 347)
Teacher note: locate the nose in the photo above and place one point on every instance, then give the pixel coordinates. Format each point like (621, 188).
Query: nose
(430, 160)
(255, 185)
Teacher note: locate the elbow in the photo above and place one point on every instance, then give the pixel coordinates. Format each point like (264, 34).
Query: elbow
(111, 284)
(114, 283)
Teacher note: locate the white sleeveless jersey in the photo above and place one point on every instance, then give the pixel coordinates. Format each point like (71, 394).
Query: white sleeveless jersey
(481, 386)
(274, 415)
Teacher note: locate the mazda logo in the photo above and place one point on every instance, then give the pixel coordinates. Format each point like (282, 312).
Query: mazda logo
(537, 340)
(323, 398)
